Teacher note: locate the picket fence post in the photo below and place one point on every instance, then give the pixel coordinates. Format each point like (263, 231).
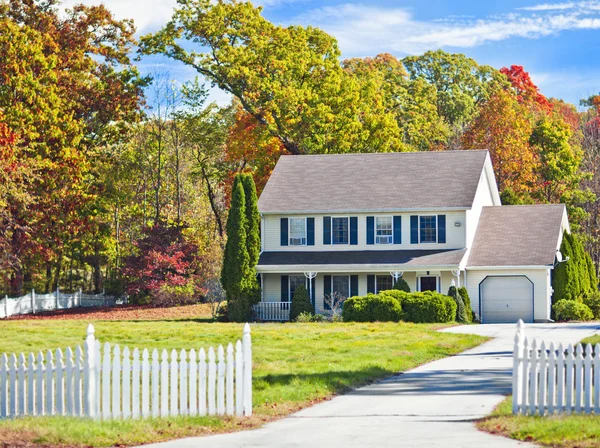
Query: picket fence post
(6, 306)
(33, 301)
(89, 374)
(247, 347)
(517, 366)
(56, 298)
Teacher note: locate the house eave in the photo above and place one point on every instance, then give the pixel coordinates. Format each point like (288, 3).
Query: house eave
(514, 267)
(354, 211)
(345, 268)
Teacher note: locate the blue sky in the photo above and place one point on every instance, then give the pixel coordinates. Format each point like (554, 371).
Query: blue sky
(557, 42)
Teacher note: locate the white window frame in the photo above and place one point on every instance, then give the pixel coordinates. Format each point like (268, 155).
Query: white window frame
(436, 229)
(290, 231)
(392, 228)
(348, 220)
(438, 282)
(290, 284)
(382, 275)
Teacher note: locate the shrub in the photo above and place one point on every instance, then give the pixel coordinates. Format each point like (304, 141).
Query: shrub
(401, 285)
(304, 317)
(465, 296)
(571, 310)
(461, 312)
(395, 293)
(422, 307)
(300, 303)
(372, 308)
(169, 295)
(593, 303)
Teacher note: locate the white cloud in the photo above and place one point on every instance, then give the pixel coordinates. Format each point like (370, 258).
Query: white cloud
(550, 7)
(362, 29)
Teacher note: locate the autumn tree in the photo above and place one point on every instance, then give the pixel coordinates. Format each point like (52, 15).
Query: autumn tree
(503, 127)
(288, 78)
(527, 92)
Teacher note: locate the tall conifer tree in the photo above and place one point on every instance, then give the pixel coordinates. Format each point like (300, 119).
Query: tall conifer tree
(252, 219)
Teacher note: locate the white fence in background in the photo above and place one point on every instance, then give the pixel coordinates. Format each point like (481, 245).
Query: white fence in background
(554, 380)
(272, 311)
(35, 303)
(115, 384)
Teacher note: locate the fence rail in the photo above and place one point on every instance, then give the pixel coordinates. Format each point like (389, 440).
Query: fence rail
(35, 303)
(554, 380)
(272, 311)
(115, 384)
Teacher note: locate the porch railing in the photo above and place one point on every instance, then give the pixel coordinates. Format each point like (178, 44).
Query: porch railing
(272, 311)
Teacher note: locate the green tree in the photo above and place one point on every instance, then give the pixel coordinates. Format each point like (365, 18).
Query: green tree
(288, 78)
(461, 312)
(401, 285)
(300, 303)
(252, 219)
(592, 275)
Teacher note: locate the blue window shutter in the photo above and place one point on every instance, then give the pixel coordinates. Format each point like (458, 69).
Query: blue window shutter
(284, 231)
(326, 229)
(370, 230)
(326, 290)
(312, 299)
(441, 221)
(285, 292)
(397, 229)
(310, 231)
(414, 229)
(371, 284)
(353, 230)
(353, 285)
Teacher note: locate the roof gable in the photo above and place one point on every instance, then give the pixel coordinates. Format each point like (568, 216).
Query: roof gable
(517, 235)
(373, 182)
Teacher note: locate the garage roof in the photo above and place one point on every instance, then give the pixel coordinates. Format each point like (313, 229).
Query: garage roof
(517, 235)
(373, 182)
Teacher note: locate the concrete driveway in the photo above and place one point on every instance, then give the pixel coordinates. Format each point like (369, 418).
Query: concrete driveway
(433, 405)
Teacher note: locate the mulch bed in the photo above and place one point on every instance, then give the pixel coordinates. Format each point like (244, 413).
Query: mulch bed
(122, 312)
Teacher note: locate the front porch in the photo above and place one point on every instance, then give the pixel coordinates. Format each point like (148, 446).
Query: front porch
(278, 288)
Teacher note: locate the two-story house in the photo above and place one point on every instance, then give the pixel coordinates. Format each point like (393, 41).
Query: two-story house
(351, 223)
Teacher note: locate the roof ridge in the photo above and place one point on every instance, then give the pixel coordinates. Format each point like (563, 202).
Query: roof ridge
(372, 154)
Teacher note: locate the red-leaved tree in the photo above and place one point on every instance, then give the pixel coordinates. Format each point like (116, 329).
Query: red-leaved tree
(527, 92)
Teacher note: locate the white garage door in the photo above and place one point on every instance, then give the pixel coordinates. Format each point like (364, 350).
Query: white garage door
(506, 300)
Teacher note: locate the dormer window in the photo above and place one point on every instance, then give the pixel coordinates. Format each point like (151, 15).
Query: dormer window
(297, 231)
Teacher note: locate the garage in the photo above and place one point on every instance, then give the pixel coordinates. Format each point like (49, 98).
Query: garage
(506, 299)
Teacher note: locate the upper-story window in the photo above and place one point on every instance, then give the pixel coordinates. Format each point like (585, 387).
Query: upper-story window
(383, 230)
(339, 230)
(297, 231)
(428, 229)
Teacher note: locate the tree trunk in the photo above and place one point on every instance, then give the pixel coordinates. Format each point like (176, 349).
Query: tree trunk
(213, 205)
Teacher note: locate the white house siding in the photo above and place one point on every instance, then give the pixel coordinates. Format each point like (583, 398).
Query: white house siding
(483, 198)
(541, 287)
(455, 236)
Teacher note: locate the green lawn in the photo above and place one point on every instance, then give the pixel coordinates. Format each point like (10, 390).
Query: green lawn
(295, 365)
(592, 340)
(569, 431)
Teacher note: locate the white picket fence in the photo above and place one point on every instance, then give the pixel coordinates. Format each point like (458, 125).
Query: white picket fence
(554, 380)
(119, 384)
(33, 302)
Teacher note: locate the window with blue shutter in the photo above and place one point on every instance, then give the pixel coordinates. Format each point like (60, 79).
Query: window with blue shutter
(441, 228)
(326, 290)
(310, 231)
(371, 284)
(397, 229)
(285, 295)
(284, 231)
(370, 230)
(353, 285)
(312, 291)
(353, 230)
(414, 229)
(326, 229)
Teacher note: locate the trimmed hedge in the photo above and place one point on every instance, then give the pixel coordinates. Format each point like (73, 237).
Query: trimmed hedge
(401, 285)
(461, 311)
(300, 303)
(571, 310)
(372, 308)
(428, 307)
(465, 296)
(593, 303)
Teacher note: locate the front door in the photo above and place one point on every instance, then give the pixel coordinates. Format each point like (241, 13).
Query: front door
(428, 283)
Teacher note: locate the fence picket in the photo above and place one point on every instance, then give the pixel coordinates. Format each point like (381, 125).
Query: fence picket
(597, 379)
(247, 348)
(212, 374)
(551, 379)
(542, 389)
(30, 384)
(569, 380)
(587, 373)
(202, 379)
(108, 383)
(578, 377)
(229, 406)
(560, 379)
(193, 383)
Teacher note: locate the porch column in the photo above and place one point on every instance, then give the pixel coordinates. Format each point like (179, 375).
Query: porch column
(310, 276)
(456, 273)
(396, 275)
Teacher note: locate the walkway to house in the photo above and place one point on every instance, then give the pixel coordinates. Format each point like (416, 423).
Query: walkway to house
(433, 405)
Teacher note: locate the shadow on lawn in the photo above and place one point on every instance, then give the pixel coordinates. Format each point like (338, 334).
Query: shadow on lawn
(441, 382)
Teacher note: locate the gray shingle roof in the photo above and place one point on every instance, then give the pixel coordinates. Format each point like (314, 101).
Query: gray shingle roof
(369, 182)
(406, 258)
(517, 235)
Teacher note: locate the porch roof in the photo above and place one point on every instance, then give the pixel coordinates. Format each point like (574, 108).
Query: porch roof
(384, 259)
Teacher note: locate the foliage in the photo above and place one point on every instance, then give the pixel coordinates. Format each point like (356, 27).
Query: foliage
(288, 78)
(334, 302)
(566, 310)
(575, 278)
(467, 300)
(401, 285)
(372, 308)
(527, 92)
(420, 307)
(397, 294)
(509, 197)
(300, 303)
(592, 301)
(164, 269)
(462, 315)
(307, 317)
(252, 219)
